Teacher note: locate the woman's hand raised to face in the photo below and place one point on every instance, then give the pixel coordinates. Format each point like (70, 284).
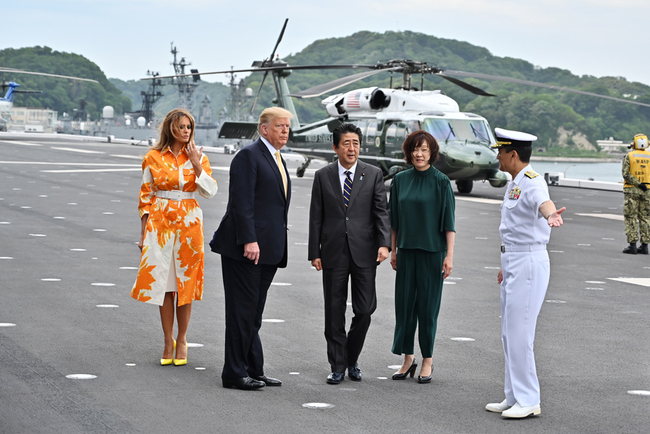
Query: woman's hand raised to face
(194, 154)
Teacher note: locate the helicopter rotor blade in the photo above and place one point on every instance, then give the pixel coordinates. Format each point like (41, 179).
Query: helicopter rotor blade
(270, 61)
(286, 21)
(338, 83)
(259, 89)
(267, 68)
(533, 83)
(19, 71)
(475, 90)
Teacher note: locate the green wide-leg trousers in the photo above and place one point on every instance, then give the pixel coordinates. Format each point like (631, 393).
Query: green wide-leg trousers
(418, 291)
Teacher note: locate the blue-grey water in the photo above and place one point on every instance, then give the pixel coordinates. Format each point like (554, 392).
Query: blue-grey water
(606, 172)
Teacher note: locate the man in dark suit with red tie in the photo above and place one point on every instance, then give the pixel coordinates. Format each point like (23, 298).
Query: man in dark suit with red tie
(252, 241)
(349, 235)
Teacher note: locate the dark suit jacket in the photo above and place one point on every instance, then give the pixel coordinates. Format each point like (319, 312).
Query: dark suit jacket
(365, 220)
(257, 209)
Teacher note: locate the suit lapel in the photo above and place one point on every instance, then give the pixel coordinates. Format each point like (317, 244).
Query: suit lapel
(357, 182)
(333, 175)
(274, 166)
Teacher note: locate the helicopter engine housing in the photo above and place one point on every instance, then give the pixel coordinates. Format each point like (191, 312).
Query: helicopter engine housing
(375, 99)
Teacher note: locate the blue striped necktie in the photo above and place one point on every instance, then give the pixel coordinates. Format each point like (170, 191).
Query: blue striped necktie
(347, 188)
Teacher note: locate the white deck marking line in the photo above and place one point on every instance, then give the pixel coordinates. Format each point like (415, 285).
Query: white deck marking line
(479, 200)
(133, 157)
(11, 142)
(642, 281)
(92, 170)
(602, 216)
(51, 163)
(83, 151)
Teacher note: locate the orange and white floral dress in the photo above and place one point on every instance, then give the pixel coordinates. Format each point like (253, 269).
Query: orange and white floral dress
(174, 233)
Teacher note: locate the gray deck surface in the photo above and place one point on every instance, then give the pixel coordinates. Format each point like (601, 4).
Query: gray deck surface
(592, 342)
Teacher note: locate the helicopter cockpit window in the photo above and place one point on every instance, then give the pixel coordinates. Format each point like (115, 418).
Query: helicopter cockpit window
(458, 130)
(480, 131)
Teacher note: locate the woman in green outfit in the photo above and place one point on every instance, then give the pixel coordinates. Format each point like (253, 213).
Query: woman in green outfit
(422, 211)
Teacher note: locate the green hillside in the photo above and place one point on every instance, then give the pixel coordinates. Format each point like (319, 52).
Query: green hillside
(539, 111)
(59, 94)
(217, 92)
(558, 118)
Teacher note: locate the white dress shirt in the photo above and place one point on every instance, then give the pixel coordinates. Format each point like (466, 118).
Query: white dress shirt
(342, 174)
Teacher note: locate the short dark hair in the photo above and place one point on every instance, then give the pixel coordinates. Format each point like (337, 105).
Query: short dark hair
(524, 152)
(344, 129)
(415, 140)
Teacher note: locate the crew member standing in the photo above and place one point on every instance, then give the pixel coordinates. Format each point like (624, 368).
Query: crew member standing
(252, 241)
(527, 216)
(636, 209)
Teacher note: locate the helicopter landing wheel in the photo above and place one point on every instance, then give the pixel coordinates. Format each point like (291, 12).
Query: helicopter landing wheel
(464, 186)
(300, 172)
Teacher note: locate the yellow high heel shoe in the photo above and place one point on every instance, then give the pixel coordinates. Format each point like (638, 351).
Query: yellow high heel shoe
(181, 362)
(165, 362)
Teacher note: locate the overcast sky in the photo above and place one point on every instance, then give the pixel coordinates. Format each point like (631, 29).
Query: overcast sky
(127, 38)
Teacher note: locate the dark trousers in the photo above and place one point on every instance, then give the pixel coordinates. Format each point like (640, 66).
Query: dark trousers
(245, 287)
(418, 292)
(343, 349)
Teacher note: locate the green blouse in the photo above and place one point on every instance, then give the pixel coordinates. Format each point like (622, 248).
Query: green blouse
(422, 209)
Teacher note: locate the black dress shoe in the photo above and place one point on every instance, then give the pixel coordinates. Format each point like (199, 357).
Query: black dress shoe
(243, 383)
(335, 377)
(354, 373)
(268, 380)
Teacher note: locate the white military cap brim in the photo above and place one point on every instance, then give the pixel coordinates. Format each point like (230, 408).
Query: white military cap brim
(514, 135)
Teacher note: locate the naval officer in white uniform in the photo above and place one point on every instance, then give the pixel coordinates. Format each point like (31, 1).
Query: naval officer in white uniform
(527, 216)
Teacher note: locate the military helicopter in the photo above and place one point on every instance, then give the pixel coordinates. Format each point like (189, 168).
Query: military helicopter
(387, 116)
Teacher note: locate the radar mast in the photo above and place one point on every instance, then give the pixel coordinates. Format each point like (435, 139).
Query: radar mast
(185, 86)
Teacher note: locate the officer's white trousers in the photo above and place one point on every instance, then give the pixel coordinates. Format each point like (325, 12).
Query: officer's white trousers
(525, 280)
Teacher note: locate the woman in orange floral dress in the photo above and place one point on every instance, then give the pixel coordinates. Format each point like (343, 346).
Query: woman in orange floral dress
(172, 229)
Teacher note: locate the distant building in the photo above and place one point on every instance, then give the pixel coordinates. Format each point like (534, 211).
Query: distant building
(32, 120)
(611, 145)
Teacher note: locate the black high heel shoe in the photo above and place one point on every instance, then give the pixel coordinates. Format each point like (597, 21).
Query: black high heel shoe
(425, 380)
(411, 371)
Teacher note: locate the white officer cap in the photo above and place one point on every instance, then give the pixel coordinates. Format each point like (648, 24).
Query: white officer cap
(513, 138)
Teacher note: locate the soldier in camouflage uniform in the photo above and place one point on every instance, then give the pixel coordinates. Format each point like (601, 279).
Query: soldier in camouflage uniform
(636, 174)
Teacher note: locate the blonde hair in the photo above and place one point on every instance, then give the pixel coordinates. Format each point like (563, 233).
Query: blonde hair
(270, 114)
(169, 125)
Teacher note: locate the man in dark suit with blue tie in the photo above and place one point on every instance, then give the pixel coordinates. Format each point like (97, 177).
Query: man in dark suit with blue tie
(349, 235)
(252, 241)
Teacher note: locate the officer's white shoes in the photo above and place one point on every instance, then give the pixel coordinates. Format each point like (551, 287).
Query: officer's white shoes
(497, 407)
(518, 412)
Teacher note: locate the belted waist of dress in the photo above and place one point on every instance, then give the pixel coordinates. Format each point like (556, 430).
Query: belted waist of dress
(174, 194)
(523, 248)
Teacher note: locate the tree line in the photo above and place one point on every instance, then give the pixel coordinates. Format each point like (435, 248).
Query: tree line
(61, 95)
(539, 111)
